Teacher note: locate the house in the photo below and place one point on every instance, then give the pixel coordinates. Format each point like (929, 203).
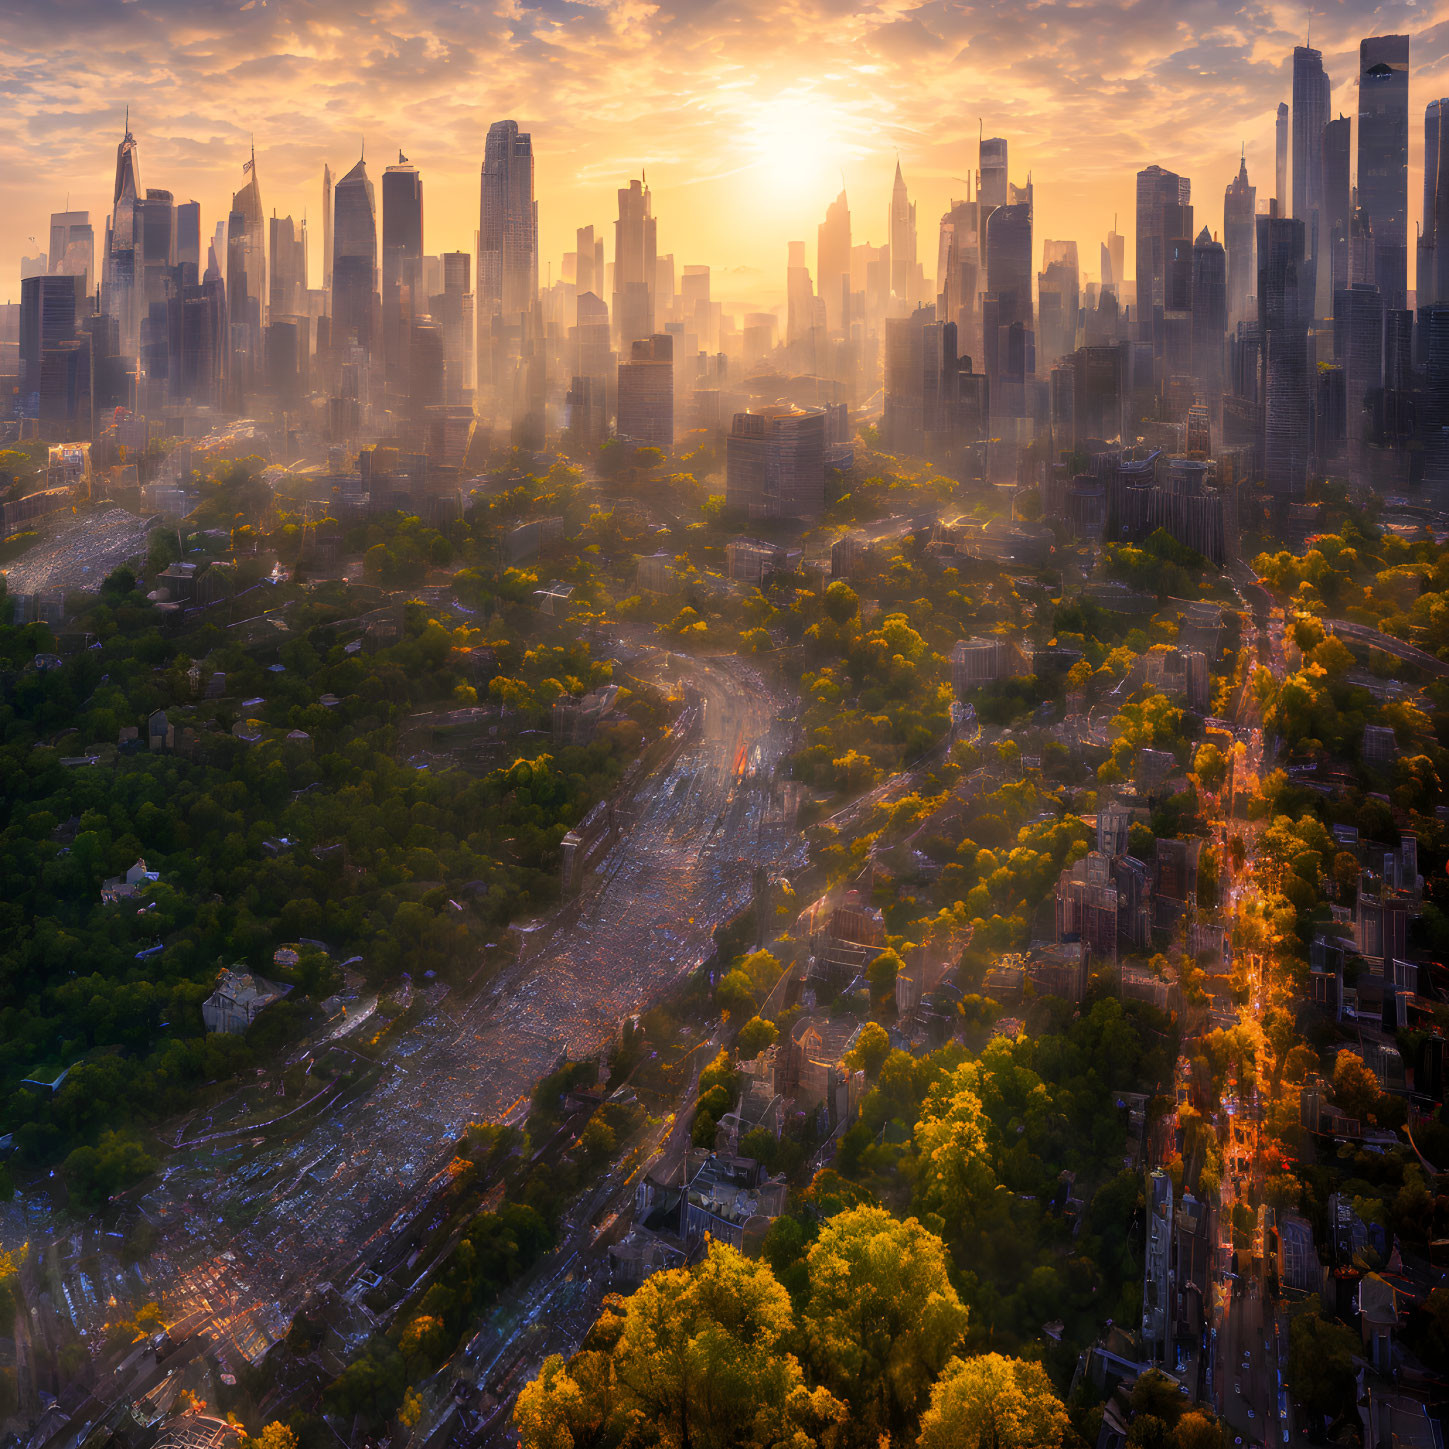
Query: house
(730, 1200)
(128, 886)
(240, 997)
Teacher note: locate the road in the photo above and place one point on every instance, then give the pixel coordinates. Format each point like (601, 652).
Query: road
(251, 1227)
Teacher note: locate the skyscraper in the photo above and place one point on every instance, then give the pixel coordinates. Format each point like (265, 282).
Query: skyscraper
(1383, 158)
(1310, 116)
(1240, 204)
(246, 278)
(958, 267)
(1285, 304)
(991, 180)
(646, 392)
(1280, 153)
(354, 258)
(1114, 260)
(507, 225)
(288, 246)
(635, 265)
(1164, 214)
(402, 230)
(1008, 261)
(73, 246)
(121, 275)
(1209, 316)
(1337, 206)
(902, 235)
(188, 239)
(1058, 301)
(589, 276)
(1430, 240)
(327, 232)
(832, 263)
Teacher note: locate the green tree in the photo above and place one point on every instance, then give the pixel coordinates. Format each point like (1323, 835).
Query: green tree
(953, 1162)
(1321, 1363)
(755, 1035)
(881, 1318)
(698, 1356)
(993, 1402)
(871, 1048)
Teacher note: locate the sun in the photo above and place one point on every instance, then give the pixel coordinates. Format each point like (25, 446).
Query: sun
(798, 145)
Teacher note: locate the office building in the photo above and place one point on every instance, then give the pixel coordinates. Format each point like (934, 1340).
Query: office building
(1209, 316)
(402, 232)
(288, 271)
(901, 229)
(73, 246)
(507, 225)
(1058, 302)
(958, 266)
(991, 176)
(775, 463)
(1383, 158)
(635, 265)
(935, 405)
(1240, 204)
(1337, 211)
(120, 278)
(1280, 158)
(1164, 214)
(1433, 275)
(1285, 304)
(1310, 116)
(646, 392)
(1358, 344)
(832, 264)
(1008, 261)
(354, 260)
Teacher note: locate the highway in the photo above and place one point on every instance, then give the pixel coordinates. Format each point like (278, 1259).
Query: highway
(250, 1227)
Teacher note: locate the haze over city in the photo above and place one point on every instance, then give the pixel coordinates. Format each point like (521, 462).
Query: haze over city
(745, 116)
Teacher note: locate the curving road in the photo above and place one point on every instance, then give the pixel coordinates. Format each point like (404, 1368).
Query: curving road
(251, 1227)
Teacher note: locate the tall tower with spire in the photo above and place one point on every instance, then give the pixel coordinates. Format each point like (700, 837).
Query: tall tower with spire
(122, 264)
(246, 277)
(902, 234)
(1240, 204)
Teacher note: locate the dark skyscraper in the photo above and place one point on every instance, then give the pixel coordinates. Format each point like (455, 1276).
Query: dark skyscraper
(1358, 344)
(1008, 262)
(958, 268)
(1209, 316)
(354, 258)
(1240, 203)
(246, 280)
(402, 228)
(121, 273)
(1433, 270)
(1164, 214)
(635, 265)
(1383, 158)
(188, 238)
(1337, 207)
(1310, 116)
(1280, 158)
(1285, 305)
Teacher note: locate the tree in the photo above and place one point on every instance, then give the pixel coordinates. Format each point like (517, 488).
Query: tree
(1355, 1088)
(871, 1048)
(755, 1035)
(1321, 1363)
(881, 1318)
(698, 1355)
(1197, 1429)
(1211, 767)
(993, 1402)
(954, 1169)
(275, 1436)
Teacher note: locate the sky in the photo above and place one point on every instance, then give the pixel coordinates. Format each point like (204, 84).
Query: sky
(745, 114)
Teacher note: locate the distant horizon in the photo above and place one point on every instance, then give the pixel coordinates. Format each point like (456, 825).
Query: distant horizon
(743, 140)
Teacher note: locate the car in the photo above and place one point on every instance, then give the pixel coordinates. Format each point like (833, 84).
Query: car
(1251, 1414)
(1237, 1386)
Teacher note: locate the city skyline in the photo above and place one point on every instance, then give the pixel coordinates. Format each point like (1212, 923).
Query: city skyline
(708, 141)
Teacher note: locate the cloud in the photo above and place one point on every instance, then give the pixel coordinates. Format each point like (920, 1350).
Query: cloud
(745, 112)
